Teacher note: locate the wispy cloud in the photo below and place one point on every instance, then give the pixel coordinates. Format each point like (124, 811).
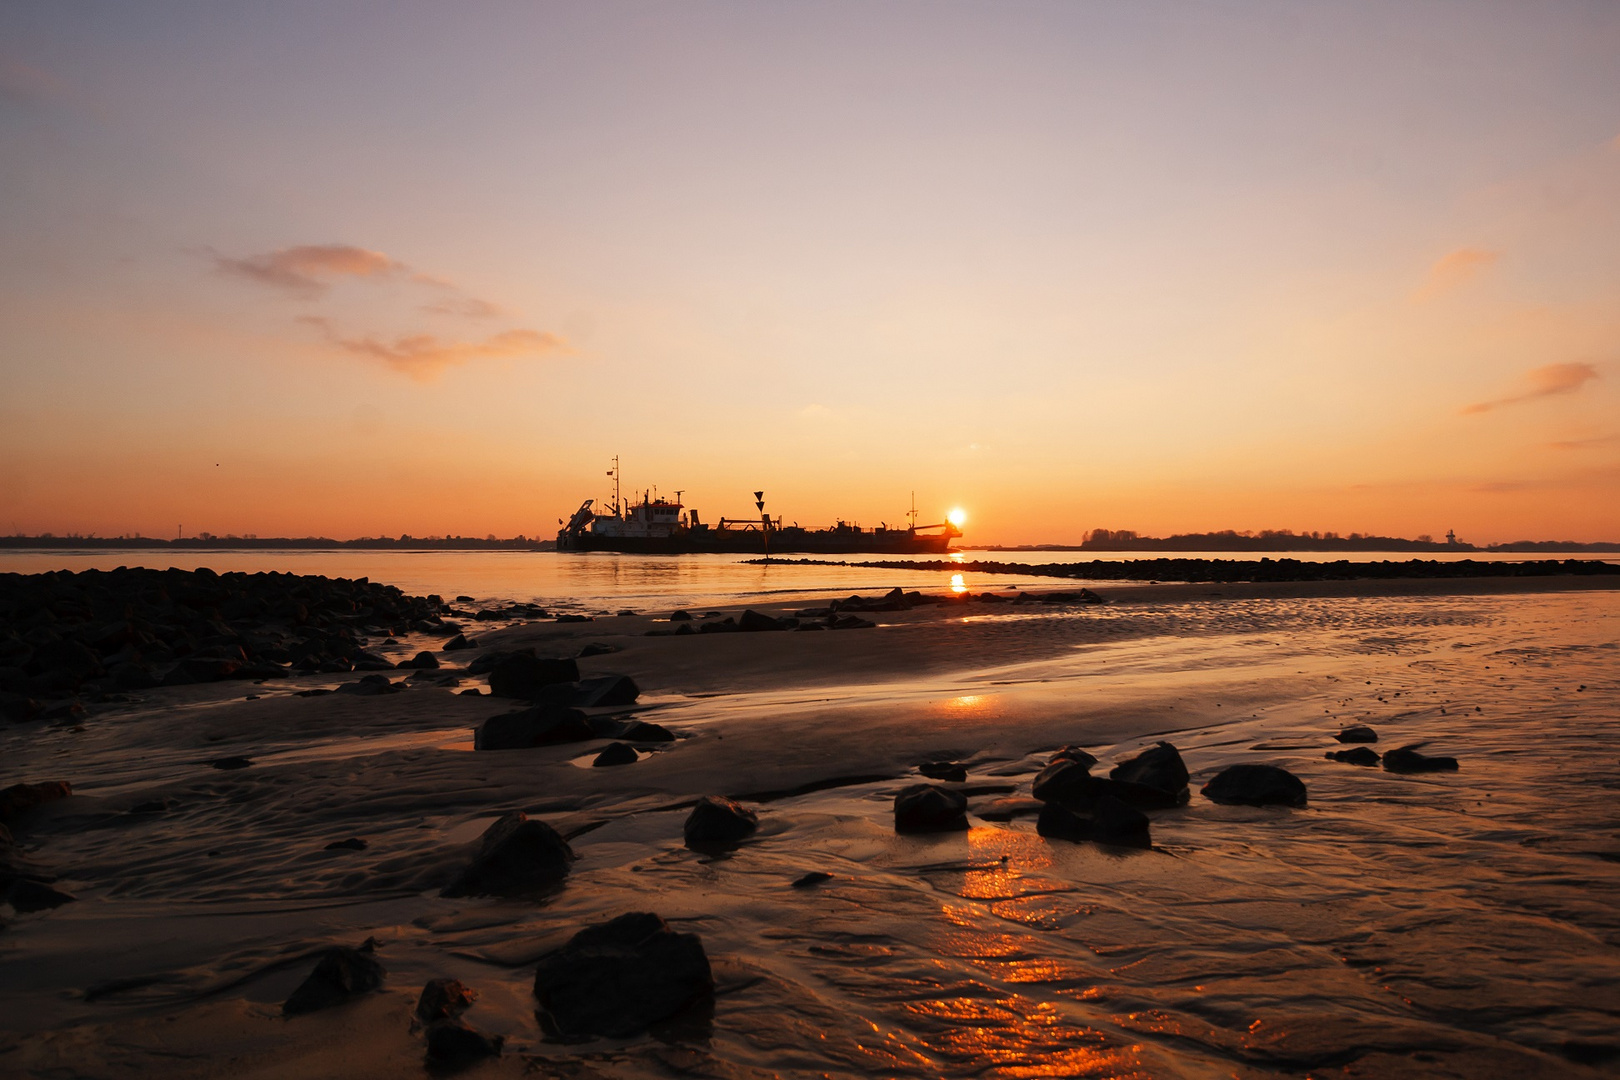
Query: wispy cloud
(466, 307)
(1544, 382)
(425, 356)
(1453, 269)
(310, 268)
(25, 84)
(1592, 443)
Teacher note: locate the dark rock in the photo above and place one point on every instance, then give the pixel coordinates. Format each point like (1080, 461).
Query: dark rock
(342, 974)
(517, 855)
(753, 622)
(728, 625)
(943, 770)
(472, 692)
(26, 895)
(133, 676)
(444, 998)
(618, 978)
(1255, 785)
(460, 642)
(1007, 809)
(597, 648)
(1108, 821)
(850, 622)
(680, 616)
(201, 669)
(422, 661)
(18, 708)
(484, 663)
(814, 877)
(464, 599)
(18, 799)
(1406, 759)
(569, 618)
(684, 629)
(353, 843)
(453, 1043)
(716, 822)
(229, 763)
(606, 692)
(616, 754)
(539, 726)
(1358, 733)
(1071, 783)
(1076, 754)
(154, 806)
(373, 686)
(524, 675)
(1359, 756)
(1157, 767)
(641, 731)
(923, 808)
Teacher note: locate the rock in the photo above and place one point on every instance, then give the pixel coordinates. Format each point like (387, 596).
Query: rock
(641, 731)
(524, 675)
(1071, 783)
(1157, 767)
(230, 763)
(342, 974)
(606, 692)
(365, 661)
(373, 686)
(943, 770)
(616, 754)
(814, 877)
(543, 725)
(1255, 785)
(752, 621)
(18, 799)
(1108, 822)
(1074, 753)
(597, 648)
(459, 642)
(1406, 759)
(516, 856)
(353, 843)
(680, 616)
(133, 676)
(1359, 756)
(442, 999)
(717, 822)
(464, 599)
(1358, 733)
(1006, 809)
(850, 622)
(27, 895)
(727, 625)
(618, 978)
(201, 669)
(422, 661)
(453, 1043)
(923, 808)
(18, 708)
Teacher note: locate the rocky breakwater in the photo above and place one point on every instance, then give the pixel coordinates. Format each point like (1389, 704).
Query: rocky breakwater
(67, 639)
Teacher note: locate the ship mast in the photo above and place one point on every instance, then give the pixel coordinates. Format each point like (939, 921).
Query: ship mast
(615, 474)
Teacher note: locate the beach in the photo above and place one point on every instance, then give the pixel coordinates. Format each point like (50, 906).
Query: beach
(1459, 923)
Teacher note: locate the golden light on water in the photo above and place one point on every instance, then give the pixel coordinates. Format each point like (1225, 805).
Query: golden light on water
(957, 584)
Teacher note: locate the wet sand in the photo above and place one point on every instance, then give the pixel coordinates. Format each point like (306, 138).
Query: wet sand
(1460, 924)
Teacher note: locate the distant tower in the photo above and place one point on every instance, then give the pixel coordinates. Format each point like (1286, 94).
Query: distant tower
(1451, 537)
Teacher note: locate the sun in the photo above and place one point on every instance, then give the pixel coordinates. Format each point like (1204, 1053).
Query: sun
(956, 517)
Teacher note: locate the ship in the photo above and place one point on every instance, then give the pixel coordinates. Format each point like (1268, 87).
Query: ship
(659, 525)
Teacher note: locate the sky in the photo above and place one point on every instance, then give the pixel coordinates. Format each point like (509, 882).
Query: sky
(354, 269)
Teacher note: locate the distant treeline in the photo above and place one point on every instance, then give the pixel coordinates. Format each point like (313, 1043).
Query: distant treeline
(1288, 540)
(210, 542)
(1234, 570)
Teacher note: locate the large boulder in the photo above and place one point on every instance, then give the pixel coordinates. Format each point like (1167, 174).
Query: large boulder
(454, 1044)
(606, 692)
(1071, 783)
(1109, 821)
(1158, 767)
(924, 808)
(616, 754)
(517, 856)
(717, 823)
(543, 725)
(1406, 759)
(753, 621)
(342, 974)
(444, 998)
(1255, 785)
(1359, 755)
(422, 661)
(524, 675)
(618, 978)
(1357, 733)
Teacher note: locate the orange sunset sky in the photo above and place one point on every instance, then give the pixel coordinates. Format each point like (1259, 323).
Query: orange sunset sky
(360, 269)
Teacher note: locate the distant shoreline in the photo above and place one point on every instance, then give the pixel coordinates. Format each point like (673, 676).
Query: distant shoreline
(254, 543)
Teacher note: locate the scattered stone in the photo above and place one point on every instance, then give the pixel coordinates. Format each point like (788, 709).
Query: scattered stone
(618, 978)
(944, 770)
(1109, 821)
(464, 599)
(342, 974)
(753, 622)
(353, 843)
(230, 763)
(643, 731)
(1075, 753)
(717, 822)
(1358, 756)
(543, 725)
(1156, 767)
(606, 692)
(849, 622)
(814, 877)
(616, 754)
(422, 661)
(680, 616)
(18, 799)
(597, 648)
(443, 999)
(923, 808)
(574, 618)
(454, 1043)
(1406, 759)
(26, 895)
(373, 686)
(524, 675)
(1071, 783)
(517, 855)
(472, 692)
(1255, 785)
(1357, 733)
(460, 642)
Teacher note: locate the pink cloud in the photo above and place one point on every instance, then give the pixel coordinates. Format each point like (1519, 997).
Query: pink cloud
(1453, 269)
(309, 268)
(1544, 382)
(424, 356)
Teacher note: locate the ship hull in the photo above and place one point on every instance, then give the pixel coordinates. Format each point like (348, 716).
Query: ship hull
(753, 542)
